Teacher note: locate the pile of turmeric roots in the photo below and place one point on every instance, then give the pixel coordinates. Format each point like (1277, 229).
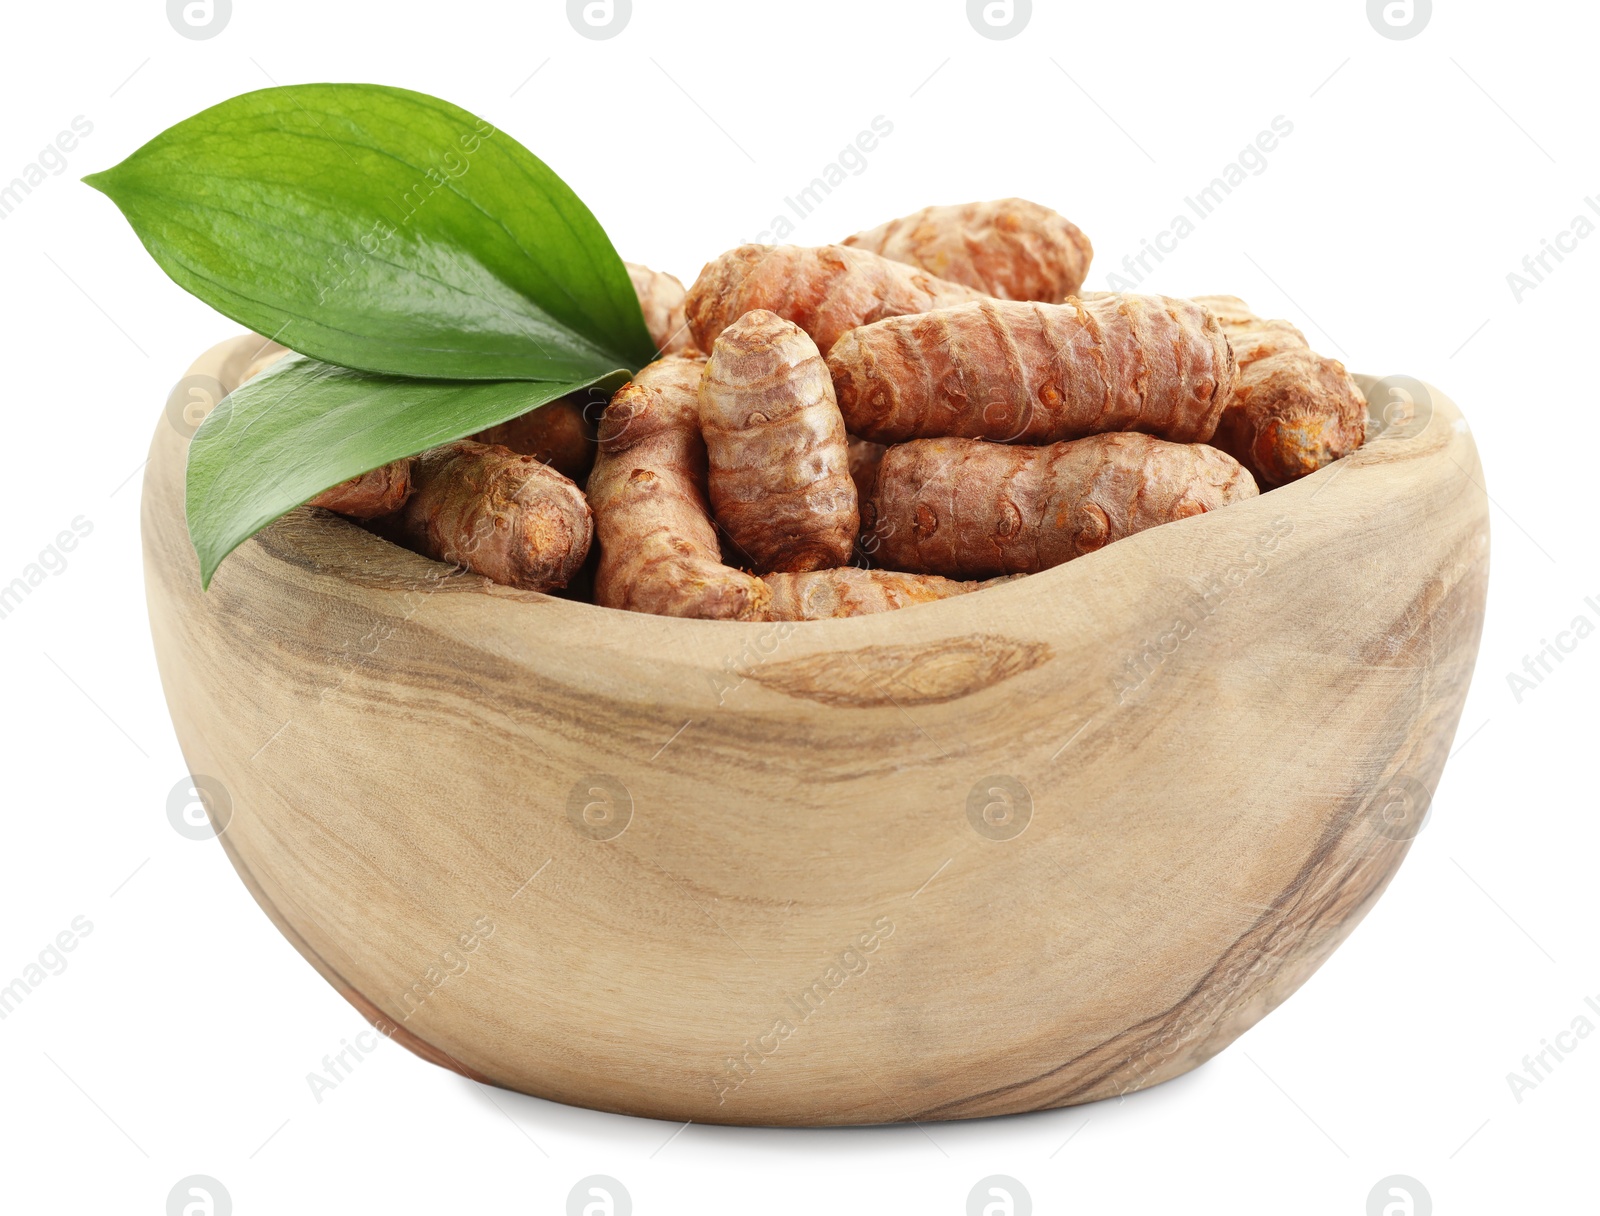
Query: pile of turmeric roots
(920, 411)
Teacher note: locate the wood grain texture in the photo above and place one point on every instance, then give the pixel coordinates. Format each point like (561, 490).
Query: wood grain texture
(773, 873)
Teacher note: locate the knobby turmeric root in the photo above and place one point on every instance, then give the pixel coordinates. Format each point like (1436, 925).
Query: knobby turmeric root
(824, 291)
(779, 466)
(1037, 373)
(1293, 411)
(658, 548)
(381, 491)
(911, 398)
(968, 509)
(1010, 248)
(558, 433)
(507, 517)
(377, 492)
(661, 299)
(821, 595)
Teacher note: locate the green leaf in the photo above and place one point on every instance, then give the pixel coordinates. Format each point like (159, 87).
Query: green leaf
(385, 230)
(304, 425)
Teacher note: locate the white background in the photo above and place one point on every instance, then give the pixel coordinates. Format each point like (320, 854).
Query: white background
(1419, 173)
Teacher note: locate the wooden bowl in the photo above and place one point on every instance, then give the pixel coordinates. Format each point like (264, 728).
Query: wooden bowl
(1044, 844)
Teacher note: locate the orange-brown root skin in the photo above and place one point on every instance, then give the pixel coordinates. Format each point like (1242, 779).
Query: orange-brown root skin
(1010, 248)
(661, 299)
(1037, 373)
(557, 433)
(658, 548)
(780, 482)
(365, 496)
(964, 508)
(821, 595)
(1293, 411)
(369, 495)
(825, 291)
(507, 517)
(380, 491)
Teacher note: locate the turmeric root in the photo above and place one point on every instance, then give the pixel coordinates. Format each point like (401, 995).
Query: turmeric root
(558, 433)
(824, 291)
(821, 595)
(968, 509)
(1293, 411)
(1010, 249)
(1037, 373)
(658, 548)
(377, 492)
(661, 300)
(778, 461)
(380, 491)
(507, 517)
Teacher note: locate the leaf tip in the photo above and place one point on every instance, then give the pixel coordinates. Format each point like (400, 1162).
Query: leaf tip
(208, 564)
(100, 181)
